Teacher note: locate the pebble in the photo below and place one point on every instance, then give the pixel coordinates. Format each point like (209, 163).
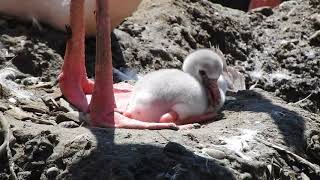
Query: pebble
(310, 54)
(50, 102)
(315, 38)
(12, 100)
(68, 124)
(214, 153)
(75, 116)
(315, 18)
(30, 81)
(52, 172)
(266, 11)
(304, 176)
(39, 121)
(3, 107)
(176, 148)
(24, 175)
(66, 106)
(246, 176)
(18, 113)
(35, 108)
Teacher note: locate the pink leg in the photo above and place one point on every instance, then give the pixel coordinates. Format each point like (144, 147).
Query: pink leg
(102, 107)
(73, 80)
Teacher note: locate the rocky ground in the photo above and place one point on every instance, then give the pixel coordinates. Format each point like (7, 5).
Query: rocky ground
(268, 132)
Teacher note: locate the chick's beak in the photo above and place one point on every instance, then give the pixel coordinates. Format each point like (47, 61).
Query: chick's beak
(212, 88)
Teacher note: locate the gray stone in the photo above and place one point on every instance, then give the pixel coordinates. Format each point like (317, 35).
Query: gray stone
(52, 172)
(75, 116)
(68, 124)
(214, 153)
(66, 106)
(315, 38)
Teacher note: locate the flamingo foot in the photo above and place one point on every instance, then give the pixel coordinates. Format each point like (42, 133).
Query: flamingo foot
(117, 120)
(73, 92)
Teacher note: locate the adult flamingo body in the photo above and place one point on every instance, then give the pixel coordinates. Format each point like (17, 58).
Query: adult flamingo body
(57, 12)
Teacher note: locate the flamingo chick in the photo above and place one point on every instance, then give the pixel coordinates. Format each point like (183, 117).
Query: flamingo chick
(189, 96)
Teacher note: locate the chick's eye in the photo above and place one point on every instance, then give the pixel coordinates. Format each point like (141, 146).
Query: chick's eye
(202, 72)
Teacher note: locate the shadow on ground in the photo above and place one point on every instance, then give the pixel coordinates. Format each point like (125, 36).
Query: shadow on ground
(290, 124)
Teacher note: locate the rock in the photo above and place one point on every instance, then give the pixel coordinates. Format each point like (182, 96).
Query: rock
(21, 135)
(24, 175)
(38, 149)
(315, 3)
(310, 54)
(188, 37)
(214, 153)
(39, 121)
(178, 149)
(75, 116)
(35, 166)
(315, 38)
(315, 18)
(313, 144)
(4, 137)
(12, 100)
(52, 172)
(18, 113)
(34, 108)
(304, 176)
(30, 81)
(245, 176)
(266, 11)
(66, 106)
(50, 102)
(3, 107)
(80, 145)
(68, 124)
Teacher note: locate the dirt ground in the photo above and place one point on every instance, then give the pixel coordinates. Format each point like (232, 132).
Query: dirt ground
(270, 131)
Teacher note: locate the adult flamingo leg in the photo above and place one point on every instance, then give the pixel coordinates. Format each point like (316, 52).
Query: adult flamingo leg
(73, 80)
(103, 105)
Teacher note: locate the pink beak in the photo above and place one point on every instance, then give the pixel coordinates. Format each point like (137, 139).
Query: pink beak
(212, 89)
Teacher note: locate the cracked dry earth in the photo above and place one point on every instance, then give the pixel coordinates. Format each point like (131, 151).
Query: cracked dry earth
(268, 132)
